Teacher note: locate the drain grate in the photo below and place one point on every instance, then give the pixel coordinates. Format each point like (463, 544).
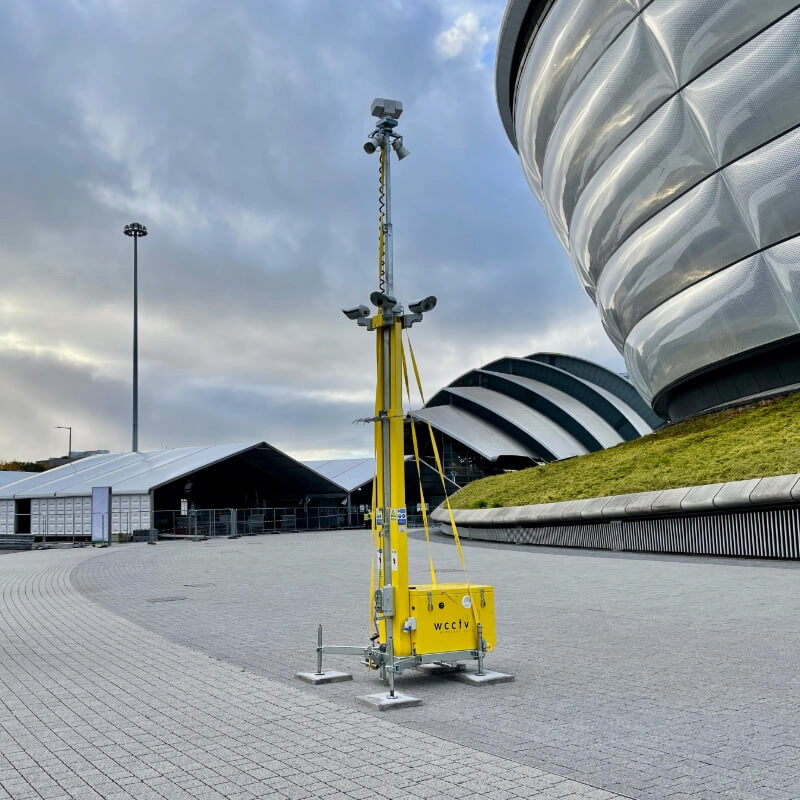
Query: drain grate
(197, 585)
(166, 599)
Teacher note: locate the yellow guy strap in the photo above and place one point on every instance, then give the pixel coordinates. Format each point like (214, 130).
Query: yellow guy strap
(419, 468)
(475, 612)
(374, 549)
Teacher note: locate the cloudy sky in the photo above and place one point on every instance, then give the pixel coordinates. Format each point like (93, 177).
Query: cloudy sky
(233, 131)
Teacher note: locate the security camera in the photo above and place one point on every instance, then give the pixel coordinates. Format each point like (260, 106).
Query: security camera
(384, 301)
(370, 147)
(381, 107)
(359, 312)
(421, 306)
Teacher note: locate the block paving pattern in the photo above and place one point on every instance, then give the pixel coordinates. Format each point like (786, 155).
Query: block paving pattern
(168, 671)
(646, 676)
(95, 707)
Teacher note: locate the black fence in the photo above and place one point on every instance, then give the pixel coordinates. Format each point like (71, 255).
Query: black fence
(250, 521)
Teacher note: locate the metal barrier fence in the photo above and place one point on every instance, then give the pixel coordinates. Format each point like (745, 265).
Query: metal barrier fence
(250, 521)
(75, 528)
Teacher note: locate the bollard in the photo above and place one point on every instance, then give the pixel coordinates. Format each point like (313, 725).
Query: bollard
(319, 651)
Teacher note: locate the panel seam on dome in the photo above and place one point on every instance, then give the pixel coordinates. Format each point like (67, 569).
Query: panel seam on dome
(746, 219)
(711, 275)
(679, 91)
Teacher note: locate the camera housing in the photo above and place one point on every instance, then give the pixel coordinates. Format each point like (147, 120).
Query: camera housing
(421, 306)
(359, 312)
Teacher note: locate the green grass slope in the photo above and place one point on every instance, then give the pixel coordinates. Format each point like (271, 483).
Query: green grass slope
(736, 444)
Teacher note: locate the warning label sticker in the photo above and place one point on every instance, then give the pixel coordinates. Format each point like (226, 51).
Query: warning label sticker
(394, 560)
(401, 516)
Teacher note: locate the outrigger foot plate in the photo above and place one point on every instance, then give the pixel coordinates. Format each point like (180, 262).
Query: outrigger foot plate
(328, 676)
(487, 679)
(383, 702)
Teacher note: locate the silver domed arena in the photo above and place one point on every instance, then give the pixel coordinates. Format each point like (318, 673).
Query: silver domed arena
(663, 139)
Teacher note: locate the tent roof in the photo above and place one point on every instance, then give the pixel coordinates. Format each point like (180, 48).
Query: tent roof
(349, 473)
(139, 473)
(10, 476)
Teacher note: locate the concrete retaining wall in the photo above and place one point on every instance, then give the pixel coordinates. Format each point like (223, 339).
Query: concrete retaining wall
(752, 518)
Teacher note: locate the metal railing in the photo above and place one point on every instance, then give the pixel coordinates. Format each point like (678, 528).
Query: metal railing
(251, 521)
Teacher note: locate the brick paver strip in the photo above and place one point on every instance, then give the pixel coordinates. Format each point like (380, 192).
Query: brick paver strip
(94, 706)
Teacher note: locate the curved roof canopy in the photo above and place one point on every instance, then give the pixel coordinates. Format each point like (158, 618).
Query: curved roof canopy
(544, 407)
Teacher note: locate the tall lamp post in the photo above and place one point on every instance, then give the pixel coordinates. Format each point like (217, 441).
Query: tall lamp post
(67, 428)
(136, 230)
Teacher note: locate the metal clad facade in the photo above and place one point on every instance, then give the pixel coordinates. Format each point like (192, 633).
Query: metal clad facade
(663, 140)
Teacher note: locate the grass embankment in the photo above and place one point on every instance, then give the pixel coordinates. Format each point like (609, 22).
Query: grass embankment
(750, 442)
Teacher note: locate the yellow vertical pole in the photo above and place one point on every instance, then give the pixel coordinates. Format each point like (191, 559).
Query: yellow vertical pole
(391, 493)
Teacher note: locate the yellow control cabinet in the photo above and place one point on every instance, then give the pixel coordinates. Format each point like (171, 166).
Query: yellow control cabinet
(447, 617)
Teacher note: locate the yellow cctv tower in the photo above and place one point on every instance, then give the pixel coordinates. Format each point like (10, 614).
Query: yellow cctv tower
(438, 625)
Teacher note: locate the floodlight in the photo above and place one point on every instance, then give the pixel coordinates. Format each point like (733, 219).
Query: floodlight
(397, 145)
(386, 108)
(421, 306)
(135, 229)
(359, 312)
(370, 147)
(384, 301)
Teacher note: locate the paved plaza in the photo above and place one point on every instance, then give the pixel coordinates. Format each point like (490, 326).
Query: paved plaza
(168, 672)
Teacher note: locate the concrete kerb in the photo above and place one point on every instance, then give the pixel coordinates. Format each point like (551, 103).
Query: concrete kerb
(735, 494)
(669, 501)
(776, 489)
(700, 498)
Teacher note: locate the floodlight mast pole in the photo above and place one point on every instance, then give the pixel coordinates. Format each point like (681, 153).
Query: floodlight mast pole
(389, 430)
(392, 599)
(136, 230)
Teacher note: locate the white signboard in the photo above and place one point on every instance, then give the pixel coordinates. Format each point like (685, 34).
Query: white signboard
(101, 515)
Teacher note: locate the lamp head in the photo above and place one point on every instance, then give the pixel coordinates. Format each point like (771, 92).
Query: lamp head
(399, 148)
(135, 229)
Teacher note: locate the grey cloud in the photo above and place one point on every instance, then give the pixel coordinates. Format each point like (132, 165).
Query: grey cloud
(234, 132)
